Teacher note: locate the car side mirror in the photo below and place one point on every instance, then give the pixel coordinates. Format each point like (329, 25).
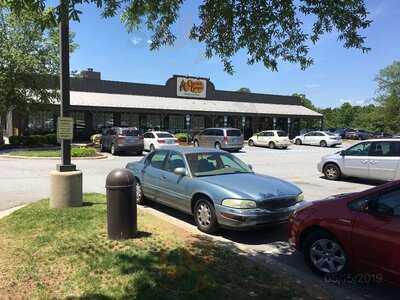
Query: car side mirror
(250, 167)
(180, 171)
(342, 153)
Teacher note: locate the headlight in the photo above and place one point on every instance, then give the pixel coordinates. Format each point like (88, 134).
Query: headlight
(239, 203)
(300, 197)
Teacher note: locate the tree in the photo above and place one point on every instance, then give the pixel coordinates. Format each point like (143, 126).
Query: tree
(388, 80)
(305, 102)
(244, 90)
(268, 30)
(28, 54)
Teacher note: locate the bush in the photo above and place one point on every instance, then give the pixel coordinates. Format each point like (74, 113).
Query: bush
(183, 137)
(83, 152)
(34, 140)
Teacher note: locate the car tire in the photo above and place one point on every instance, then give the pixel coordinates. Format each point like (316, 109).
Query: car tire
(140, 199)
(217, 146)
(113, 150)
(323, 144)
(271, 145)
(204, 216)
(251, 143)
(298, 142)
(332, 172)
(324, 254)
(196, 143)
(284, 147)
(152, 148)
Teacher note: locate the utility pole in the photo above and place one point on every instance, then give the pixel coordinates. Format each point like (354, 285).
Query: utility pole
(65, 181)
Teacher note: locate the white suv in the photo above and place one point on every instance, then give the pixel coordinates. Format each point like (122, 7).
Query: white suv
(320, 138)
(270, 138)
(371, 159)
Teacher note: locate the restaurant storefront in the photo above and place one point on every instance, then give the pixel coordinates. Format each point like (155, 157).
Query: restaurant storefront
(182, 104)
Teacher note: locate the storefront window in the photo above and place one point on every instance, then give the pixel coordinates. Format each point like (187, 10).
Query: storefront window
(41, 121)
(102, 119)
(198, 122)
(129, 120)
(176, 122)
(153, 121)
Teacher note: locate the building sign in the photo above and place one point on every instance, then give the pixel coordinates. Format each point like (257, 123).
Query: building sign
(191, 87)
(65, 128)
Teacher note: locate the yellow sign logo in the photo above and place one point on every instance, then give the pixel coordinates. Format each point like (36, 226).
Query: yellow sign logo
(192, 86)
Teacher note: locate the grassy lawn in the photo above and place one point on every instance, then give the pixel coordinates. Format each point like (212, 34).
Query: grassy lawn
(75, 152)
(66, 254)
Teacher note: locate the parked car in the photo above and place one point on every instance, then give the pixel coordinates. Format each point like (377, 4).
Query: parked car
(358, 134)
(357, 231)
(321, 138)
(215, 186)
(381, 135)
(158, 139)
(122, 139)
(220, 138)
(373, 159)
(271, 138)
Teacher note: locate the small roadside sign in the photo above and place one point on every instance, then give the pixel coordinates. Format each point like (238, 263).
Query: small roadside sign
(65, 128)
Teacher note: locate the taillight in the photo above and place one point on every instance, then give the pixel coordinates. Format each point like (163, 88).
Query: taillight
(120, 138)
(175, 140)
(140, 137)
(161, 141)
(225, 139)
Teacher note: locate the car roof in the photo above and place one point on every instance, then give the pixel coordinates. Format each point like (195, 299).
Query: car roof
(187, 150)
(223, 128)
(383, 140)
(158, 132)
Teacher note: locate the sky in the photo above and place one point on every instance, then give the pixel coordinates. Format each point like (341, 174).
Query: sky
(338, 74)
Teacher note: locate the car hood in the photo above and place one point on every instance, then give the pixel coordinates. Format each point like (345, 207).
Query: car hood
(253, 186)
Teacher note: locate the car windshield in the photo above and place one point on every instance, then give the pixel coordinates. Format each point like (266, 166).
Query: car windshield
(281, 133)
(329, 133)
(130, 132)
(164, 135)
(215, 163)
(233, 132)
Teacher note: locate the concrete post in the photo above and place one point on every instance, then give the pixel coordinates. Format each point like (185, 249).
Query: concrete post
(65, 189)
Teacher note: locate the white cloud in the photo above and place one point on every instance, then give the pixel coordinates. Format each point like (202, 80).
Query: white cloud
(148, 41)
(355, 102)
(312, 85)
(136, 40)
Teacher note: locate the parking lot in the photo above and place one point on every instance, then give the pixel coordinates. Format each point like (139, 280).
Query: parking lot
(23, 181)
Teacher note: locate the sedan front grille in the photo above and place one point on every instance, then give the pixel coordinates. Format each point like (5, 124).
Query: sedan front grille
(276, 204)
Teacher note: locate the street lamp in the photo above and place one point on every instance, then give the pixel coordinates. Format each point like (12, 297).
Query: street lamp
(187, 118)
(66, 181)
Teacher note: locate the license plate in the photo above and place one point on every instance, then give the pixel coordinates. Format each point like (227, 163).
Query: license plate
(170, 142)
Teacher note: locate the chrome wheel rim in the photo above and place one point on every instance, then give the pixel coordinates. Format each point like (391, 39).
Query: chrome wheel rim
(218, 146)
(204, 215)
(151, 147)
(331, 172)
(327, 256)
(112, 149)
(138, 193)
(196, 143)
(251, 143)
(298, 142)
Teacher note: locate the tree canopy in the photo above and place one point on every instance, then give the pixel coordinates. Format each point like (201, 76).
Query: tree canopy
(244, 90)
(27, 54)
(268, 30)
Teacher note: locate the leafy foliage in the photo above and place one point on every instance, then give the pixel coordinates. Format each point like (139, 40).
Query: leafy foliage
(244, 90)
(28, 54)
(268, 30)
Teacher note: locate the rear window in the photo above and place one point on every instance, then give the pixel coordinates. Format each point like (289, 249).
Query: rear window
(281, 133)
(130, 132)
(165, 135)
(233, 132)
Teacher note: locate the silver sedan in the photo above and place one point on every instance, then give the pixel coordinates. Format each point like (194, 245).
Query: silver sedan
(215, 186)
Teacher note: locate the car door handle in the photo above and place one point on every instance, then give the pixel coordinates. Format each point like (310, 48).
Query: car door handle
(345, 221)
(163, 177)
(365, 161)
(373, 162)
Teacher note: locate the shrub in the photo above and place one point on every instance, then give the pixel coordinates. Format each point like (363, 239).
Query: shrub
(34, 140)
(183, 137)
(83, 152)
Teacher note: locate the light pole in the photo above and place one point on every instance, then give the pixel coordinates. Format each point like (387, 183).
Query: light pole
(187, 117)
(65, 181)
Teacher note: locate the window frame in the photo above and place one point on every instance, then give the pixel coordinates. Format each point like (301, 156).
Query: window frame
(169, 156)
(148, 159)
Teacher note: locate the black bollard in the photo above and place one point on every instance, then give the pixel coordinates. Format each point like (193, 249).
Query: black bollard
(121, 205)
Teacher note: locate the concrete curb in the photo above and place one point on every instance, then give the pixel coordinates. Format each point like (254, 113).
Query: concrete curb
(9, 211)
(101, 156)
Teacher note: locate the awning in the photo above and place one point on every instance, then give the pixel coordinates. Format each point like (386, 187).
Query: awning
(122, 101)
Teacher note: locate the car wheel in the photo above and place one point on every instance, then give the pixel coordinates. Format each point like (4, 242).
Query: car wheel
(218, 146)
(152, 148)
(271, 145)
(323, 144)
(113, 150)
(324, 254)
(298, 142)
(196, 143)
(285, 147)
(140, 199)
(204, 216)
(251, 143)
(332, 172)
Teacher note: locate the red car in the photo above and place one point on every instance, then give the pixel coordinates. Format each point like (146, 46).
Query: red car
(358, 232)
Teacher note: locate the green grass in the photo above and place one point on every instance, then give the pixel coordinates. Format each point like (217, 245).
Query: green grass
(75, 152)
(66, 254)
